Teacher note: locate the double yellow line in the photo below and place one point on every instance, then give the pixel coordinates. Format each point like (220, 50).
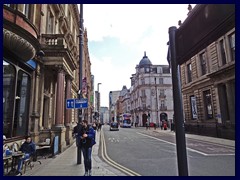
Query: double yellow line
(113, 163)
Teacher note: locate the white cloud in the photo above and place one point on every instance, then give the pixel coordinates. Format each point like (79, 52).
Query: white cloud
(111, 77)
(139, 27)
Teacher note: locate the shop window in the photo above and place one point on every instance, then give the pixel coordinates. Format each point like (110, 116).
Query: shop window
(208, 104)
(9, 76)
(15, 101)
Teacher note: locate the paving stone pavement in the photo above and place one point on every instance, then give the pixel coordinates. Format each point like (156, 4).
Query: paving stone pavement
(65, 164)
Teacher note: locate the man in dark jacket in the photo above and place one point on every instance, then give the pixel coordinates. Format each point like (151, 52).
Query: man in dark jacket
(29, 149)
(77, 132)
(86, 143)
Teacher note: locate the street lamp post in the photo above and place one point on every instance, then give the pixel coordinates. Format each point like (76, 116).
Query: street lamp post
(80, 75)
(98, 99)
(157, 121)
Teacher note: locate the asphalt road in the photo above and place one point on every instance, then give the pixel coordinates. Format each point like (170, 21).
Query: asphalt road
(154, 154)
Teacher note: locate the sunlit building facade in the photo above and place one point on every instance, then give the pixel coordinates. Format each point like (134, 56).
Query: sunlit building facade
(151, 93)
(41, 71)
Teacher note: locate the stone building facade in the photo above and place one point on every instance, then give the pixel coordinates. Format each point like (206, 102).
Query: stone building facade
(41, 70)
(113, 105)
(208, 87)
(151, 96)
(123, 102)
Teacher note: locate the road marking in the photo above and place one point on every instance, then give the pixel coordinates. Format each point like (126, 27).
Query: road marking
(113, 163)
(113, 140)
(193, 150)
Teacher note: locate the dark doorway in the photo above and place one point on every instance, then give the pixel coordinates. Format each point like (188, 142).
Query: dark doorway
(163, 117)
(144, 119)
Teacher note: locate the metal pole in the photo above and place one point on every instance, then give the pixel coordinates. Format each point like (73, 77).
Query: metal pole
(98, 100)
(157, 121)
(178, 107)
(80, 75)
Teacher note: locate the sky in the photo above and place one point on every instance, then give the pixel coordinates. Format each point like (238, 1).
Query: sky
(118, 35)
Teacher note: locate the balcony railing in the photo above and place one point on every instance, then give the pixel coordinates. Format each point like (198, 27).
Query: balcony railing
(53, 40)
(162, 96)
(163, 108)
(58, 41)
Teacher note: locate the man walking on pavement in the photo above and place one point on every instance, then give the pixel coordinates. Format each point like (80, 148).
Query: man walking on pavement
(86, 143)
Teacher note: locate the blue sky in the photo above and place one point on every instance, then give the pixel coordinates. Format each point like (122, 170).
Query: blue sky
(118, 35)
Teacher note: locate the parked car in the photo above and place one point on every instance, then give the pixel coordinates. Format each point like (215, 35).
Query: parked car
(114, 126)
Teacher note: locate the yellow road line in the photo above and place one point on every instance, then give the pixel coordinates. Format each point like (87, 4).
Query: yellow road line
(113, 163)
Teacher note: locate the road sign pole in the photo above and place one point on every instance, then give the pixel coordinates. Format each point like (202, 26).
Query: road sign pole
(178, 107)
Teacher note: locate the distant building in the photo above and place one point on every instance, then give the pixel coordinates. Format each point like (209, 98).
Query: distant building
(113, 97)
(151, 93)
(104, 115)
(123, 103)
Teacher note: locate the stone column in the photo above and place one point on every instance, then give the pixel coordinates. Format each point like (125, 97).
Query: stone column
(60, 98)
(59, 128)
(68, 93)
(230, 89)
(35, 111)
(68, 112)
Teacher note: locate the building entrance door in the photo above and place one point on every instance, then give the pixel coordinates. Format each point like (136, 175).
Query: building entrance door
(144, 119)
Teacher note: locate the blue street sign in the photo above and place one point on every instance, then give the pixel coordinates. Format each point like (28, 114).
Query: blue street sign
(81, 103)
(70, 103)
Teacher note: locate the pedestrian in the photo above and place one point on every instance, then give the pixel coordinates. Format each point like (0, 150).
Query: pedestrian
(94, 126)
(137, 120)
(86, 143)
(161, 124)
(100, 126)
(76, 132)
(147, 125)
(155, 126)
(97, 125)
(165, 125)
(29, 149)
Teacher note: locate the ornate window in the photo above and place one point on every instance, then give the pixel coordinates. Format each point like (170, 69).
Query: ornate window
(27, 10)
(189, 72)
(223, 52)
(50, 22)
(203, 60)
(160, 80)
(231, 39)
(208, 104)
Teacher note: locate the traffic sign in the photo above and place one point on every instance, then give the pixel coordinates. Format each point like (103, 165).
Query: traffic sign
(81, 103)
(70, 103)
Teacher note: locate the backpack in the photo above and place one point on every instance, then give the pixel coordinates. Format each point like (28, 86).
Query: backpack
(93, 139)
